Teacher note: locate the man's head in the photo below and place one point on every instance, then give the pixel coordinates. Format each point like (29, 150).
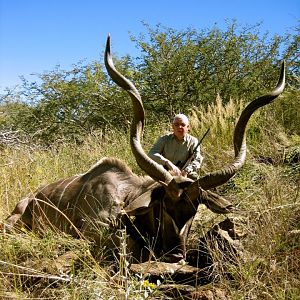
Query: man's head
(180, 126)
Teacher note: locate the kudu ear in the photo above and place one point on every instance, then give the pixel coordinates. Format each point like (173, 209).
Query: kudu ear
(140, 205)
(216, 203)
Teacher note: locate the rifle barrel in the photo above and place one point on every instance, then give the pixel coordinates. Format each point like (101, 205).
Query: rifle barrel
(195, 149)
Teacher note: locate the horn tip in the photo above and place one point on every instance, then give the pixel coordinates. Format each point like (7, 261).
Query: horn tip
(108, 39)
(107, 48)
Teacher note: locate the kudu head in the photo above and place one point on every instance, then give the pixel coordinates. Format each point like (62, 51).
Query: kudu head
(191, 192)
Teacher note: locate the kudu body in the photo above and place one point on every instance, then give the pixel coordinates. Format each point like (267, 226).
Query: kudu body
(156, 209)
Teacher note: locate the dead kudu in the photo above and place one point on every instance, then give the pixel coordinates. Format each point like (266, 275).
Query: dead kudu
(156, 209)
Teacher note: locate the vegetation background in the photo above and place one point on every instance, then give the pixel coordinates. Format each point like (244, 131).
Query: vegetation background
(72, 118)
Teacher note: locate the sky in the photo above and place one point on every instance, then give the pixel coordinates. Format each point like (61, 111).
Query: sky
(38, 35)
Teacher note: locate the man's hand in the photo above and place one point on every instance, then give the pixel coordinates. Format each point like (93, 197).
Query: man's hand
(172, 168)
(183, 173)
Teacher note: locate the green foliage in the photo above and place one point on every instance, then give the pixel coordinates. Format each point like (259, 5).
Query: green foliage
(177, 71)
(182, 69)
(67, 105)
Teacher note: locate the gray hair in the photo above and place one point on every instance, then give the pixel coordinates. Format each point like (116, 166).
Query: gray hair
(181, 116)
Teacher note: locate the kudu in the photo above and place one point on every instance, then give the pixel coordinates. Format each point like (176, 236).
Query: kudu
(156, 209)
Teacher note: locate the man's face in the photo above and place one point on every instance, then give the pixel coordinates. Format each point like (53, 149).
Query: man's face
(180, 127)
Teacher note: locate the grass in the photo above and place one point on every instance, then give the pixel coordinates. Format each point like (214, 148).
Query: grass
(266, 190)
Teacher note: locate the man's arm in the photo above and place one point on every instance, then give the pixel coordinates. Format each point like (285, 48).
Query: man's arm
(155, 154)
(156, 150)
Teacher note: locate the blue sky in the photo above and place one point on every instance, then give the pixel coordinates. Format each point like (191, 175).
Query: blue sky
(37, 35)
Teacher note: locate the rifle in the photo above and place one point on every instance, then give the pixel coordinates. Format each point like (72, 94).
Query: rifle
(190, 158)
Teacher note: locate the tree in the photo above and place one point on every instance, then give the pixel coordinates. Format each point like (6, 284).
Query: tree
(182, 69)
(176, 71)
(69, 104)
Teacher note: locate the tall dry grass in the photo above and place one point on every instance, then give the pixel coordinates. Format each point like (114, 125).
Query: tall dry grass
(266, 191)
(28, 261)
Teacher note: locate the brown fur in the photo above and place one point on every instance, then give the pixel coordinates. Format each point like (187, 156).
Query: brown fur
(162, 210)
(82, 204)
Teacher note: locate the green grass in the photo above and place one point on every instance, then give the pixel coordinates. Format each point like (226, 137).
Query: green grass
(266, 191)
